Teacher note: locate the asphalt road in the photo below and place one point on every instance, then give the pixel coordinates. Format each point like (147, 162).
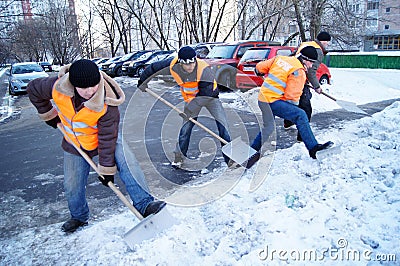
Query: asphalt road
(31, 162)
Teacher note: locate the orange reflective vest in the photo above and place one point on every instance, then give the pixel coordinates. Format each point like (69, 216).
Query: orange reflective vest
(80, 126)
(304, 44)
(275, 83)
(189, 89)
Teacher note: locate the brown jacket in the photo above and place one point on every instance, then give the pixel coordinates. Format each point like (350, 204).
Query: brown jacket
(109, 92)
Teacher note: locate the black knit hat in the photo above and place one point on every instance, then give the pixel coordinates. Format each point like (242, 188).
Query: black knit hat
(309, 53)
(186, 55)
(84, 74)
(324, 36)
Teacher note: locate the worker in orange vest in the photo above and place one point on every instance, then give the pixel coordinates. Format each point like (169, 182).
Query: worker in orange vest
(280, 93)
(86, 104)
(198, 88)
(320, 44)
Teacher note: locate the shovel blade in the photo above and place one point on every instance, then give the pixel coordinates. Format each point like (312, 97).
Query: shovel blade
(239, 151)
(149, 227)
(350, 106)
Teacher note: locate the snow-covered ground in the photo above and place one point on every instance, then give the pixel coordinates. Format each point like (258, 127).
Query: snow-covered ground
(343, 209)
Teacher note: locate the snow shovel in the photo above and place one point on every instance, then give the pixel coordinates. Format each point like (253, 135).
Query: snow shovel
(349, 106)
(148, 227)
(237, 150)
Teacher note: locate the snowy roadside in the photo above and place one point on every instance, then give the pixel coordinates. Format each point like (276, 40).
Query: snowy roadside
(7, 104)
(345, 203)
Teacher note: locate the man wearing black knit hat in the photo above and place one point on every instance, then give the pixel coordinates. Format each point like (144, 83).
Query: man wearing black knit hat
(198, 88)
(280, 93)
(86, 104)
(321, 43)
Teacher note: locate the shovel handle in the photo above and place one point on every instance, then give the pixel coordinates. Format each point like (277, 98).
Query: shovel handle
(327, 95)
(94, 166)
(158, 97)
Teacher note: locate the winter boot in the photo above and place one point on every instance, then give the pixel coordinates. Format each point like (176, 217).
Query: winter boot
(253, 159)
(154, 207)
(299, 139)
(287, 124)
(71, 225)
(319, 147)
(178, 161)
(232, 164)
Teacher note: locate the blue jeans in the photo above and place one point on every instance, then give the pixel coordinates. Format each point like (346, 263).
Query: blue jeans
(192, 109)
(287, 111)
(76, 172)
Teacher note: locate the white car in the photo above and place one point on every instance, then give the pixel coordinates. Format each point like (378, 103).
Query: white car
(21, 74)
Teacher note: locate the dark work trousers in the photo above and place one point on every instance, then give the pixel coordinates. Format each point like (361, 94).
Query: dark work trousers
(305, 104)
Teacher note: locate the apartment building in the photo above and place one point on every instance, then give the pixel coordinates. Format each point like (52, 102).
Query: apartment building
(382, 27)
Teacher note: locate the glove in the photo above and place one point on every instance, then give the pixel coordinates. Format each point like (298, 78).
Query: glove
(142, 85)
(258, 73)
(107, 178)
(53, 122)
(318, 90)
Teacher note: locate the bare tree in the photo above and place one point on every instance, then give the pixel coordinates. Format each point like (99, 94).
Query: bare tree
(154, 20)
(28, 40)
(106, 13)
(61, 32)
(269, 15)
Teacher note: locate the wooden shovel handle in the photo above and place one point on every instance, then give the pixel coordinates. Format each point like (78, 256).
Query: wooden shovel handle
(94, 166)
(158, 97)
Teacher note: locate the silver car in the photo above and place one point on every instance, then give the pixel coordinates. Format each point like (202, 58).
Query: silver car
(21, 74)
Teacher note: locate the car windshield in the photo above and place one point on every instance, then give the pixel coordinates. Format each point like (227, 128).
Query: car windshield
(145, 56)
(126, 57)
(112, 59)
(137, 55)
(253, 55)
(222, 51)
(23, 69)
(158, 58)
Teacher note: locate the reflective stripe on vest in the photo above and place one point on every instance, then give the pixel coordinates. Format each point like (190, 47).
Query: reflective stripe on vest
(81, 126)
(189, 89)
(274, 85)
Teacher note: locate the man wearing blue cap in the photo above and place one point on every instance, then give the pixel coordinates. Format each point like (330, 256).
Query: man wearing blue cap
(198, 88)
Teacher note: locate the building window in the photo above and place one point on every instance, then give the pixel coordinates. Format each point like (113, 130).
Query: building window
(387, 42)
(386, 27)
(373, 5)
(372, 22)
(388, 10)
(292, 28)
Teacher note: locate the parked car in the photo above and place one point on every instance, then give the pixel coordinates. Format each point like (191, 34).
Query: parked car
(46, 66)
(158, 58)
(203, 49)
(108, 62)
(247, 79)
(21, 74)
(224, 59)
(101, 60)
(136, 67)
(115, 69)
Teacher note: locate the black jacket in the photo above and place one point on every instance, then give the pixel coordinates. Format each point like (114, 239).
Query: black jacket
(206, 82)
